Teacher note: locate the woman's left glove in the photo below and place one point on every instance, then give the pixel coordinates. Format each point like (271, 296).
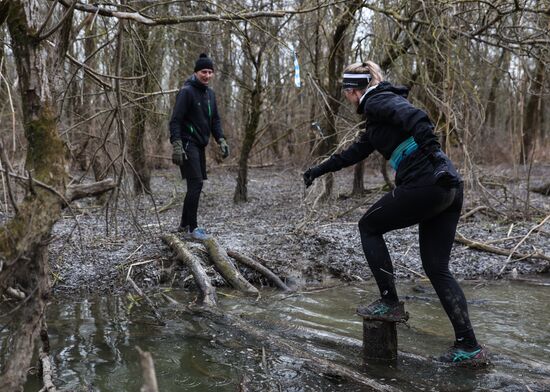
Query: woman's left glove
(178, 154)
(224, 147)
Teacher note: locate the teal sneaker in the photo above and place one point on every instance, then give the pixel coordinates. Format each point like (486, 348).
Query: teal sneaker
(465, 356)
(384, 310)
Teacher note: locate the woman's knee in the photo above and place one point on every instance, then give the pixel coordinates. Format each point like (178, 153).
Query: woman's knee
(367, 226)
(437, 272)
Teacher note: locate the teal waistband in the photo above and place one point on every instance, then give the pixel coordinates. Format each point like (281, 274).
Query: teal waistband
(401, 151)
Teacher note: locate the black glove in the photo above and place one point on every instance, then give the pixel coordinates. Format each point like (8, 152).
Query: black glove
(444, 173)
(224, 147)
(309, 176)
(178, 154)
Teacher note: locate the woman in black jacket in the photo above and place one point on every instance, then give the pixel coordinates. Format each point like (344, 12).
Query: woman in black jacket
(428, 192)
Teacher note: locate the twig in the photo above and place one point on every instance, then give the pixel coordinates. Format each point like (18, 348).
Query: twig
(473, 211)
(397, 264)
(5, 161)
(148, 370)
(170, 204)
(129, 273)
(249, 262)
(147, 299)
(520, 242)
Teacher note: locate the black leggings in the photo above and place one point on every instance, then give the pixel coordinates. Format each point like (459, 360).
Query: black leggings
(191, 203)
(194, 172)
(436, 210)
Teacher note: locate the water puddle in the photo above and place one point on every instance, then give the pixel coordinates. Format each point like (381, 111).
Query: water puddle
(93, 342)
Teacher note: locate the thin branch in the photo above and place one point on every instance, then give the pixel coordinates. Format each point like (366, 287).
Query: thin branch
(68, 13)
(536, 227)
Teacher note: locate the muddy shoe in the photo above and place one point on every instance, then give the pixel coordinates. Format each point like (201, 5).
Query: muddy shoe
(467, 357)
(384, 310)
(183, 229)
(199, 234)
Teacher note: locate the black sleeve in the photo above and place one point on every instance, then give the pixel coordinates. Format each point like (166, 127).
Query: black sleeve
(399, 112)
(178, 114)
(356, 152)
(216, 121)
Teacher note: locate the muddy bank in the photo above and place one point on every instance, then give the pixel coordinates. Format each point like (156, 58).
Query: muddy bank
(303, 240)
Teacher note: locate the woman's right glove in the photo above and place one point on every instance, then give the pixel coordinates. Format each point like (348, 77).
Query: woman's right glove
(224, 147)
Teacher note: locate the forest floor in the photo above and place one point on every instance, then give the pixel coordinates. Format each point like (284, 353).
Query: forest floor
(305, 241)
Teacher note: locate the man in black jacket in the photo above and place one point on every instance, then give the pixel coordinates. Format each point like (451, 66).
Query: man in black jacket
(429, 193)
(194, 118)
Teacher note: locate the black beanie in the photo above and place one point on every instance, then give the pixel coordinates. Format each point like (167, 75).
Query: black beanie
(204, 62)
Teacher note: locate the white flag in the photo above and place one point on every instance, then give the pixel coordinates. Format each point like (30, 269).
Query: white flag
(297, 82)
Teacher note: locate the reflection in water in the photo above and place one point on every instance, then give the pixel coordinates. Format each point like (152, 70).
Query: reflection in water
(93, 342)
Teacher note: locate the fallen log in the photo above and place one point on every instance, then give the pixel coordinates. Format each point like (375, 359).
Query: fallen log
(249, 262)
(207, 291)
(227, 270)
(80, 191)
(499, 251)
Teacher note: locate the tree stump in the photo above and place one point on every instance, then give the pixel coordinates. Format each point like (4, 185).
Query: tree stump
(379, 340)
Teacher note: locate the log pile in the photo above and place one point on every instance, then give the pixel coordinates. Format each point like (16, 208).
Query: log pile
(223, 264)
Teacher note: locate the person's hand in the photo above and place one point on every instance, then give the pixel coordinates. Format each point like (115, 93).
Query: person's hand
(309, 176)
(177, 152)
(443, 173)
(224, 147)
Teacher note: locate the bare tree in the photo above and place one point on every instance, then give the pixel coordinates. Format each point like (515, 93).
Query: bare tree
(24, 238)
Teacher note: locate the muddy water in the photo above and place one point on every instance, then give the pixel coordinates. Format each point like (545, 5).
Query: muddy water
(93, 342)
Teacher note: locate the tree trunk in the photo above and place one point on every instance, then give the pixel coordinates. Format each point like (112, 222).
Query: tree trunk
(28, 320)
(138, 137)
(533, 117)
(337, 57)
(358, 182)
(253, 119)
(24, 239)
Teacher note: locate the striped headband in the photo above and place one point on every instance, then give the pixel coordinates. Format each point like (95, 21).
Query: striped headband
(357, 81)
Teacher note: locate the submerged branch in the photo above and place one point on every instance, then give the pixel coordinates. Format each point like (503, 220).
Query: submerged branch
(148, 370)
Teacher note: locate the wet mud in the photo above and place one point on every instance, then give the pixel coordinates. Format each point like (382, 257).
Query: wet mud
(305, 241)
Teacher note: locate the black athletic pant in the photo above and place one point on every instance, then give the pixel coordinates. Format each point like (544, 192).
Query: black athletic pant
(194, 172)
(436, 210)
